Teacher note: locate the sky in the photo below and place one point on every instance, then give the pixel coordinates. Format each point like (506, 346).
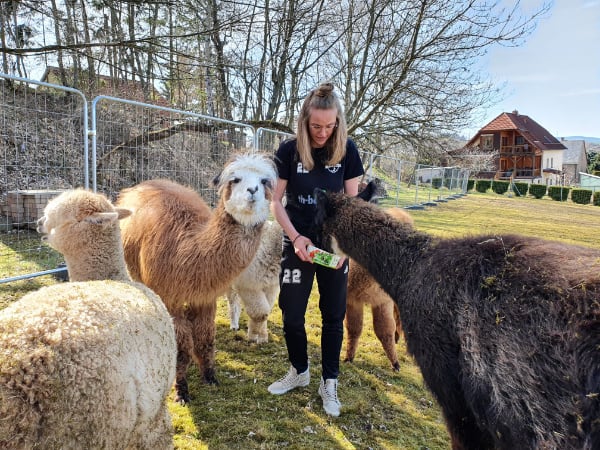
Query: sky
(554, 77)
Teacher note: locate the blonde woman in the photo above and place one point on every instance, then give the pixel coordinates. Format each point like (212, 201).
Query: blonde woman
(320, 156)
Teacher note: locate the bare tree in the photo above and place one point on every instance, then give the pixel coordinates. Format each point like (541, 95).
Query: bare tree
(407, 70)
(412, 65)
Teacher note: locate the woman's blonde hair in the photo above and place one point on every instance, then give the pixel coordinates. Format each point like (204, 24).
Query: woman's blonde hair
(322, 97)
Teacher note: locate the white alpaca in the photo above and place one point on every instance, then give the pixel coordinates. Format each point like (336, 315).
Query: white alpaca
(86, 364)
(257, 287)
(189, 254)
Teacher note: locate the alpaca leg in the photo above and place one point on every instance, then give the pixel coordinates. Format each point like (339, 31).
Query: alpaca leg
(589, 376)
(183, 333)
(260, 329)
(235, 309)
(441, 376)
(385, 327)
(465, 434)
(204, 331)
(354, 326)
(258, 309)
(271, 293)
(399, 331)
(257, 329)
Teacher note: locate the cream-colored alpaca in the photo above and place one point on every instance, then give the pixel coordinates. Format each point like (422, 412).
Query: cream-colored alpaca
(86, 364)
(189, 254)
(257, 287)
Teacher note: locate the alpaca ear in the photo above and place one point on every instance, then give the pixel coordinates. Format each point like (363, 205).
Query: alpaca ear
(102, 218)
(370, 192)
(122, 213)
(322, 203)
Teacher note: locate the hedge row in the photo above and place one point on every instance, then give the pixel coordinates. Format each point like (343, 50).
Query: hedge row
(520, 189)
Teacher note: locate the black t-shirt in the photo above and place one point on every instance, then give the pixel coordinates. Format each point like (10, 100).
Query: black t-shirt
(301, 183)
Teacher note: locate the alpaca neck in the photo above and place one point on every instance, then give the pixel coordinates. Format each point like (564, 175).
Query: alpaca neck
(222, 247)
(103, 265)
(385, 247)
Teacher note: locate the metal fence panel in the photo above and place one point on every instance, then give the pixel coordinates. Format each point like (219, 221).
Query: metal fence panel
(44, 150)
(267, 140)
(133, 142)
(45, 140)
(415, 186)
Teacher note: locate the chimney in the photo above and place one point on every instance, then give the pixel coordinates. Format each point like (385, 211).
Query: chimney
(515, 112)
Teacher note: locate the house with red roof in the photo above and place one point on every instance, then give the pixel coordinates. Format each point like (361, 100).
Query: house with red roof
(523, 149)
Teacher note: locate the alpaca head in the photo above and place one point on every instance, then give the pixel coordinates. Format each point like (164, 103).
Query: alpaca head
(373, 190)
(75, 219)
(245, 187)
(338, 213)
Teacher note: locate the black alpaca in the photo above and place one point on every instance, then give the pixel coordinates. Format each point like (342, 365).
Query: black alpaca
(505, 329)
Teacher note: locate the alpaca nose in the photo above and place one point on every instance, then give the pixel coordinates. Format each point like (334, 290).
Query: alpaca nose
(253, 190)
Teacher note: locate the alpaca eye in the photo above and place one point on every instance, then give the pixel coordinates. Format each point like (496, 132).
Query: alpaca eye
(265, 181)
(236, 180)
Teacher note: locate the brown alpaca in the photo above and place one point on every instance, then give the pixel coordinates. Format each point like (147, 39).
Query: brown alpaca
(189, 254)
(364, 290)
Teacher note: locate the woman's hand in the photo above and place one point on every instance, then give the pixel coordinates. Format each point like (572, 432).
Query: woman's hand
(300, 244)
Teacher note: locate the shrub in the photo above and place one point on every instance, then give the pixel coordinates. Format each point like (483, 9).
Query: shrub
(581, 196)
(470, 184)
(597, 198)
(537, 190)
(483, 185)
(500, 187)
(559, 193)
(520, 188)
(436, 183)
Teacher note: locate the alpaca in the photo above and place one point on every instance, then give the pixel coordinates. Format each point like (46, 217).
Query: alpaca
(505, 329)
(257, 286)
(189, 254)
(364, 290)
(86, 364)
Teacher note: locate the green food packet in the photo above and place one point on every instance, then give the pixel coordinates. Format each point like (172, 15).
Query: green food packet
(323, 258)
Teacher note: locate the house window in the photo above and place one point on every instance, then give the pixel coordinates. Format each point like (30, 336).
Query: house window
(504, 141)
(519, 140)
(487, 141)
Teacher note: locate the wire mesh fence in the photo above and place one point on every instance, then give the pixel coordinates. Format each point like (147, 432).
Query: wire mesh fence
(133, 142)
(43, 147)
(48, 146)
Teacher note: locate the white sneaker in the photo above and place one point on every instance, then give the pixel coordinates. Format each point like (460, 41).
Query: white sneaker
(289, 381)
(328, 392)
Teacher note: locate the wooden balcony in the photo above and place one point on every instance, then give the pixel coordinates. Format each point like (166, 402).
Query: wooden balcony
(519, 150)
(518, 174)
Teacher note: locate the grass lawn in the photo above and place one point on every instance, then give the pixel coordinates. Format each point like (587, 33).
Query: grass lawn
(382, 409)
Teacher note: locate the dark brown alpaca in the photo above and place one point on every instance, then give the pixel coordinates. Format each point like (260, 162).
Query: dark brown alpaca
(189, 254)
(505, 329)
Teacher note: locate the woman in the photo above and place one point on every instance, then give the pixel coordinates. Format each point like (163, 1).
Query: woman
(321, 156)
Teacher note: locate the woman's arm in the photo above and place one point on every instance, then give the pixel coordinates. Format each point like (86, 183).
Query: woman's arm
(351, 186)
(299, 241)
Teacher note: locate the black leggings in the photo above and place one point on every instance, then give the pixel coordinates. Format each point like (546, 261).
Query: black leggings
(296, 281)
